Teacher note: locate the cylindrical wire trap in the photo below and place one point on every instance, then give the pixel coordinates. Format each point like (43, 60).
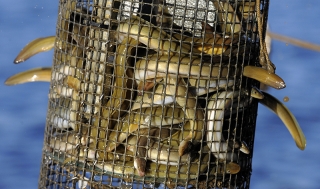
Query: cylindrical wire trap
(151, 94)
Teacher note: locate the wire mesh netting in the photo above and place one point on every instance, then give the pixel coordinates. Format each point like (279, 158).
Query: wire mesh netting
(151, 94)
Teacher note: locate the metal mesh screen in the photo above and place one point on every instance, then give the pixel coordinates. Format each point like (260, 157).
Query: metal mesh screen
(150, 94)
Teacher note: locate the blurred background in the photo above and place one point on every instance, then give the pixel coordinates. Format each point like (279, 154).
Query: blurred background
(277, 162)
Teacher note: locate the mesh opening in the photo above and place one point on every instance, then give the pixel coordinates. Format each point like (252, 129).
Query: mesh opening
(150, 94)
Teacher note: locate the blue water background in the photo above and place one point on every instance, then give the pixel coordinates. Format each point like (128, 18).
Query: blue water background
(277, 162)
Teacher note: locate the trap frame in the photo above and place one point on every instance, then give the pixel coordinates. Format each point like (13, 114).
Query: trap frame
(134, 83)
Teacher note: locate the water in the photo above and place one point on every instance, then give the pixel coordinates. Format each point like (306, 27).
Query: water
(277, 162)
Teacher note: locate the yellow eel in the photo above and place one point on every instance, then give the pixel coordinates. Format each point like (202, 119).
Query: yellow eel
(32, 75)
(34, 47)
(286, 117)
